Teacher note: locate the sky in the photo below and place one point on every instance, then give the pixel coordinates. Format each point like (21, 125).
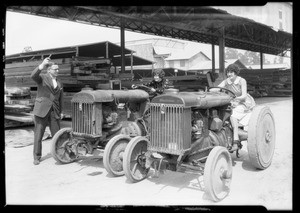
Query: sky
(22, 30)
(39, 33)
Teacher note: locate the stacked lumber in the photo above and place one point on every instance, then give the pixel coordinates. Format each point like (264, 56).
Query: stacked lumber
(18, 74)
(268, 82)
(18, 96)
(282, 82)
(18, 119)
(74, 74)
(18, 105)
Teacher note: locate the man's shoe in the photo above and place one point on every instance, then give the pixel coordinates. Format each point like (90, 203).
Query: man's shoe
(36, 162)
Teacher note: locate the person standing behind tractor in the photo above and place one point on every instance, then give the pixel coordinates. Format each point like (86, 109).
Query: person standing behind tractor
(241, 104)
(155, 87)
(159, 83)
(48, 104)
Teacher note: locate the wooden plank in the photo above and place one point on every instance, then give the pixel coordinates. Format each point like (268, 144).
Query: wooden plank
(25, 81)
(66, 68)
(16, 106)
(91, 78)
(31, 63)
(93, 60)
(10, 123)
(20, 117)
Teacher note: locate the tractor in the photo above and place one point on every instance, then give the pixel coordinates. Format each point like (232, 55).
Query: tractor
(191, 132)
(102, 121)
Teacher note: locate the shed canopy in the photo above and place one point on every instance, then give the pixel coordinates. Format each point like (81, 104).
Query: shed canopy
(194, 23)
(93, 50)
(136, 61)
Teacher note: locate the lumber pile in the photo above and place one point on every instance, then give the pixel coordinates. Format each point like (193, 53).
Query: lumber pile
(72, 71)
(17, 107)
(18, 119)
(268, 82)
(74, 74)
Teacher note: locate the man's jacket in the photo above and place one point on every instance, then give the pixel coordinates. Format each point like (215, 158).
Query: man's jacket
(47, 96)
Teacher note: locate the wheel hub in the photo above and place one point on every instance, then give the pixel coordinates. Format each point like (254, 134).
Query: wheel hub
(268, 137)
(121, 155)
(141, 159)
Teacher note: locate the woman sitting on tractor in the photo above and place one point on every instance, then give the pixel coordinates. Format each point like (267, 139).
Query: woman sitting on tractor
(241, 104)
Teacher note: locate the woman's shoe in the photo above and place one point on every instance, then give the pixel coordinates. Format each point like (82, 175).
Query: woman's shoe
(236, 146)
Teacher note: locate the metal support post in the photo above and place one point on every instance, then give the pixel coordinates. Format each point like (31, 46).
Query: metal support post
(213, 67)
(122, 47)
(222, 53)
(261, 60)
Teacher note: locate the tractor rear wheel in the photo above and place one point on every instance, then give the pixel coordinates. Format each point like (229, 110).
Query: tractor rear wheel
(261, 137)
(113, 154)
(218, 173)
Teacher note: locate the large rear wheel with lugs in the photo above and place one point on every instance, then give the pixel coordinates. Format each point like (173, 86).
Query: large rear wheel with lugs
(261, 137)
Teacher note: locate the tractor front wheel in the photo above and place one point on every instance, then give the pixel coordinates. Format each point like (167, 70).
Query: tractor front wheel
(62, 146)
(218, 173)
(135, 160)
(113, 154)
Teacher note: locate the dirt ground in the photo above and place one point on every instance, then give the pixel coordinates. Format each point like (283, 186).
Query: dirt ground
(86, 182)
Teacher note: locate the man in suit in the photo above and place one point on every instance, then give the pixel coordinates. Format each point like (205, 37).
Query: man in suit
(48, 104)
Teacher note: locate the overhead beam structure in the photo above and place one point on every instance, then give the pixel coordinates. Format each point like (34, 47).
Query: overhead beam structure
(198, 24)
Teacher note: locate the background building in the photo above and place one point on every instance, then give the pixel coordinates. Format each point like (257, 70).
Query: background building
(278, 15)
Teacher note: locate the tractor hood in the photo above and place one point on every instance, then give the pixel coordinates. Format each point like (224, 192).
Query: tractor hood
(202, 100)
(120, 96)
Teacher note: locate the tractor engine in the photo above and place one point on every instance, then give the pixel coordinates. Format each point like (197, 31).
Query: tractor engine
(97, 115)
(210, 127)
(189, 124)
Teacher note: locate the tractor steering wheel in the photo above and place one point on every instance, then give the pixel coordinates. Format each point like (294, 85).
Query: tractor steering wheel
(225, 91)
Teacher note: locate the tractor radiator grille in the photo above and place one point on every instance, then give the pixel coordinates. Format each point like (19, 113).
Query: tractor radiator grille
(170, 128)
(82, 118)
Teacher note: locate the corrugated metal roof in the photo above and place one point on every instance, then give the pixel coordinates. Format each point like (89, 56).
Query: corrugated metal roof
(84, 50)
(194, 23)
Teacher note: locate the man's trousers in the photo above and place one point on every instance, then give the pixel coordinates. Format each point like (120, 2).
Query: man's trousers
(40, 125)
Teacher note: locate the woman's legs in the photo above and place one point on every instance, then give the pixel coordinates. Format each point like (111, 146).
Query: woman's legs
(234, 124)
